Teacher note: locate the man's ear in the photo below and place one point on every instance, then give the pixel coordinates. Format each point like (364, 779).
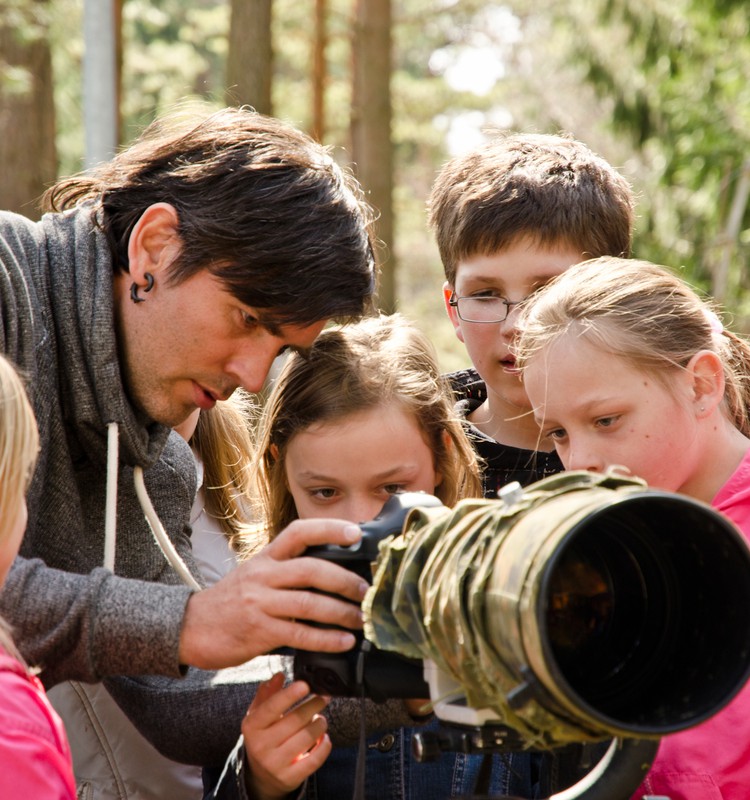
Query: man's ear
(452, 311)
(706, 372)
(154, 242)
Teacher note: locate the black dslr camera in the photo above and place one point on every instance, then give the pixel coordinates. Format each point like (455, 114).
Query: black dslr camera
(366, 671)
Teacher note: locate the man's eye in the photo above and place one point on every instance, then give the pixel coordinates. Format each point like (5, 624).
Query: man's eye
(248, 320)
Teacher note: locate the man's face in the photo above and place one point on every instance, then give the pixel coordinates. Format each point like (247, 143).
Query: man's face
(513, 273)
(191, 344)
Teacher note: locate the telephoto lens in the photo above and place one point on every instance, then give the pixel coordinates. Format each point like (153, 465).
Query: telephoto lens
(581, 608)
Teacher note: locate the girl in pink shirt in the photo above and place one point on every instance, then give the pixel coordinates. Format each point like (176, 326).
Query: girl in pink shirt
(625, 365)
(34, 755)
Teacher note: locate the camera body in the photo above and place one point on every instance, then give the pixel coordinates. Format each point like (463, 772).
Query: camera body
(366, 671)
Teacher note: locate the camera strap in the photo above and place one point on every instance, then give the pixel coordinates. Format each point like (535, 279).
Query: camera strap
(359, 772)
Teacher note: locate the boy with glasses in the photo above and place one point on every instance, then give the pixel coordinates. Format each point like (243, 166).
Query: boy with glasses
(508, 217)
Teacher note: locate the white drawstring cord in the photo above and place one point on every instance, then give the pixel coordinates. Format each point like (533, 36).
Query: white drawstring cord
(110, 513)
(110, 509)
(164, 542)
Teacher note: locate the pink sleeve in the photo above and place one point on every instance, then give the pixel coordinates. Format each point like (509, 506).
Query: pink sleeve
(34, 753)
(33, 767)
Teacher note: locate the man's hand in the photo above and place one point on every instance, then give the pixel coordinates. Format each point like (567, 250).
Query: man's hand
(264, 603)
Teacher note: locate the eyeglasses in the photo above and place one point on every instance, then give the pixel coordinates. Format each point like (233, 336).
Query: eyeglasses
(482, 308)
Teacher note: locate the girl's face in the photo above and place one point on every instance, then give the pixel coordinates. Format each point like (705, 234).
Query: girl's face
(600, 412)
(348, 468)
(12, 540)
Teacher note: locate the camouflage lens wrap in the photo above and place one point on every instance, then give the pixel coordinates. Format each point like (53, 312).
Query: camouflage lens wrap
(462, 587)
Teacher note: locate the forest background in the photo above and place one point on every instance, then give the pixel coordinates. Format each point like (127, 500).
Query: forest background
(660, 88)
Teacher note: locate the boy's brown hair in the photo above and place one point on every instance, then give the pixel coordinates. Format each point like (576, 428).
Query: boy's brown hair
(550, 189)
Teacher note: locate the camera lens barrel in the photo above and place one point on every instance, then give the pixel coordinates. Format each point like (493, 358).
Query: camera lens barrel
(580, 608)
(635, 618)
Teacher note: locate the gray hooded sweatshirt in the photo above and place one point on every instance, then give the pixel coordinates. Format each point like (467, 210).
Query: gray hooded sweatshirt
(73, 618)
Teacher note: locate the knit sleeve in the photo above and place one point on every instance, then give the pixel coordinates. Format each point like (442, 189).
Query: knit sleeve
(83, 627)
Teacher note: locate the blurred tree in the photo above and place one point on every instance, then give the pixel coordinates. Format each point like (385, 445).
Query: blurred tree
(319, 70)
(28, 154)
(117, 6)
(674, 79)
(372, 149)
(250, 56)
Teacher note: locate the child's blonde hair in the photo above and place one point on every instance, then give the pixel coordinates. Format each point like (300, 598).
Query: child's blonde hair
(19, 442)
(223, 440)
(642, 313)
(19, 446)
(360, 366)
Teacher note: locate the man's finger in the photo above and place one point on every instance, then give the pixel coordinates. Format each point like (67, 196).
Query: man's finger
(301, 636)
(304, 533)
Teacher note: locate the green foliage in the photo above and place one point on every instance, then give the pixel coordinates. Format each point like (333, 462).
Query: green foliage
(173, 52)
(676, 76)
(65, 30)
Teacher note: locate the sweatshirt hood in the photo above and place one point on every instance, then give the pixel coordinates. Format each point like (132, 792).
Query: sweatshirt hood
(80, 277)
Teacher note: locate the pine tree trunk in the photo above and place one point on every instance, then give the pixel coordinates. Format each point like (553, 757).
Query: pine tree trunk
(250, 58)
(28, 155)
(371, 127)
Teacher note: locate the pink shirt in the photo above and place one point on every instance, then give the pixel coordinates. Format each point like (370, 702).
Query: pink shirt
(712, 760)
(34, 753)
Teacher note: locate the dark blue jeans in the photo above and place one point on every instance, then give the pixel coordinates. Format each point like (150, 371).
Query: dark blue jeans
(392, 773)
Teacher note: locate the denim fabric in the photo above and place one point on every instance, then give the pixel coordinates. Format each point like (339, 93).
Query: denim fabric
(392, 773)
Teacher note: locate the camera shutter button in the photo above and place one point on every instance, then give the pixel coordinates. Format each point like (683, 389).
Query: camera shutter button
(385, 744)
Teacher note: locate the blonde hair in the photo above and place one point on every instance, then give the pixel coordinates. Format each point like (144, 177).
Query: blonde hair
(640, 312)
(224, 442)
(364, 365)
(19, 446)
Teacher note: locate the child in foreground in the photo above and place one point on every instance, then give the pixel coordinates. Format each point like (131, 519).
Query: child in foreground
(34, 750)
(364, 415)
(625, 365)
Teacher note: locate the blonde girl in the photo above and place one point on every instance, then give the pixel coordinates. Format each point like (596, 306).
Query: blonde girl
(34, 749)
(626, 365)
(365, 413)
(379, 363)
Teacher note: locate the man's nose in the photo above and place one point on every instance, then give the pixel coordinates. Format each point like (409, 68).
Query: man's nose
(251, 363)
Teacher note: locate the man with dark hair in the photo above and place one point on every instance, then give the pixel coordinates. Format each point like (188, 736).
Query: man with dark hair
(163, 281)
